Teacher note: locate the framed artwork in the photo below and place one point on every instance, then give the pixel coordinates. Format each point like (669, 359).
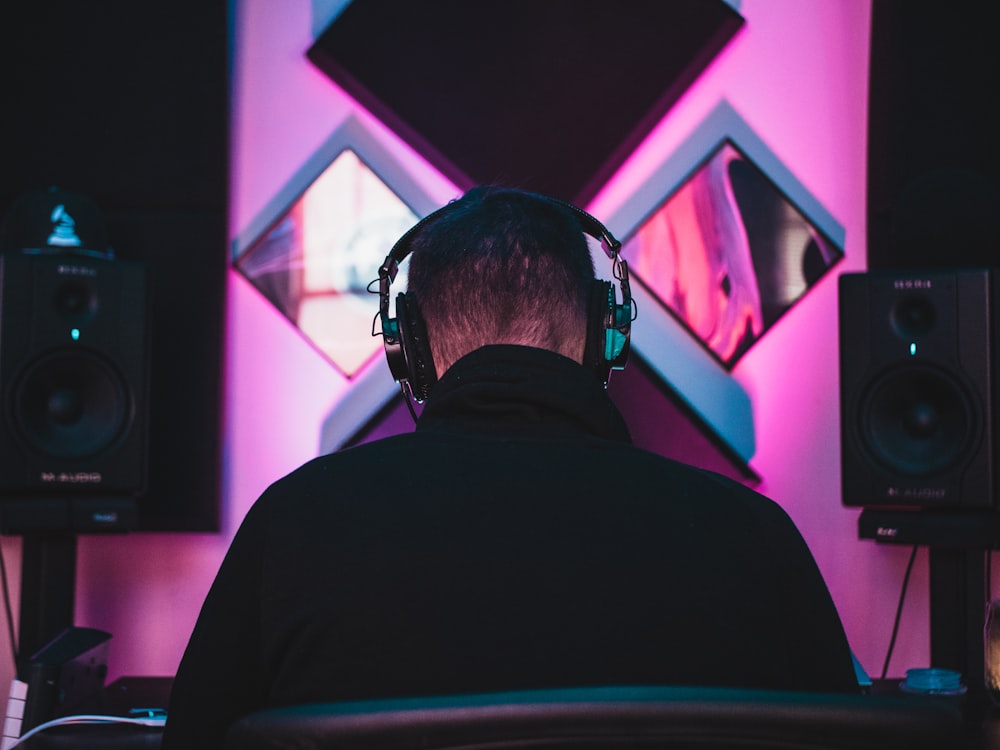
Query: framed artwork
(319, 244)
(728, 252)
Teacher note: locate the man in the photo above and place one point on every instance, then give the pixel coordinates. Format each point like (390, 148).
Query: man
(516, 539)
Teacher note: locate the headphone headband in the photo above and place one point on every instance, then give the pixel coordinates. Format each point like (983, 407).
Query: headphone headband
(590, 225)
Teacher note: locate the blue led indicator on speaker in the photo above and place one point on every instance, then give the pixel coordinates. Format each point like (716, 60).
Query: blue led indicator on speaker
(913, 350)
(74, 334)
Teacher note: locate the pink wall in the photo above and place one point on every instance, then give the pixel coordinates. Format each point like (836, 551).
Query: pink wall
(797, 73)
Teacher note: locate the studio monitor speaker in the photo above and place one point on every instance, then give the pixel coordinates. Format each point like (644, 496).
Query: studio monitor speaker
(917, 389)
(73, 377)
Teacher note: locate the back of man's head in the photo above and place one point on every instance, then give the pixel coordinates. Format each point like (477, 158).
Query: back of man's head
(502, 266)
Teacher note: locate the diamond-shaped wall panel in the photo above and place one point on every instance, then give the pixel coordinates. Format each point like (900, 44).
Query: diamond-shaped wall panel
(729, 253)
(314, 250)
(314, 264)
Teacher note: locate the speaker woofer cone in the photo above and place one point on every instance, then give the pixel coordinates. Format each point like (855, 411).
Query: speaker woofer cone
(917, 421)
(71, 404)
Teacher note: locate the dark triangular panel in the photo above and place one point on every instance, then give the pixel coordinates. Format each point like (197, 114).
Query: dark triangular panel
(548, 96)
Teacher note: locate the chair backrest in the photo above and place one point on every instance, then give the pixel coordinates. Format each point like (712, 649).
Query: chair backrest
(611, 717)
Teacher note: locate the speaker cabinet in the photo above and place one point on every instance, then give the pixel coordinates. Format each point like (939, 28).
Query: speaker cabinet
(916, 382)
(73, 383)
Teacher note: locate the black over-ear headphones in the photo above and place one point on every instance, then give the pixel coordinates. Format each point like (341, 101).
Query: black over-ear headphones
(405, 337)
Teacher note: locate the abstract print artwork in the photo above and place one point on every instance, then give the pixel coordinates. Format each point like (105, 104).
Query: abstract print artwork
(315, 262)
(728, 253)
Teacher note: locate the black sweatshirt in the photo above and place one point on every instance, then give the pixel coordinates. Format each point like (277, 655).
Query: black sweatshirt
(515, 540)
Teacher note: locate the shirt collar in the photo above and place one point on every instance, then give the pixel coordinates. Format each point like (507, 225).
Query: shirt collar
(520, 389)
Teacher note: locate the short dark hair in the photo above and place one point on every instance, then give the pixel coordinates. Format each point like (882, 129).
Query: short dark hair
(502, 266)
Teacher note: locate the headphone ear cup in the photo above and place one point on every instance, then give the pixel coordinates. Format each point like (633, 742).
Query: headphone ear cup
(608, 328)
(415, 346)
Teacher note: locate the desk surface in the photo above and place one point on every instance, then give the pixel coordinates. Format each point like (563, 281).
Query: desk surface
(982, 717)
(118, 699)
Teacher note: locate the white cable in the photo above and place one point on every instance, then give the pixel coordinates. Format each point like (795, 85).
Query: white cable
(151, 721)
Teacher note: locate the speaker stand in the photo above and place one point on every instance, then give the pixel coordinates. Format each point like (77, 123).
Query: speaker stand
(48, 591)
(958, 612)
(957, 545)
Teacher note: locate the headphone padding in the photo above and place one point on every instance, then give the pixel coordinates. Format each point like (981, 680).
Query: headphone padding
(415, 346)
(600, 309)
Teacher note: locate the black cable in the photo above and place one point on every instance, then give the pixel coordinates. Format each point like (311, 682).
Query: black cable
(408, 400)
(899, 611)
(7, 608)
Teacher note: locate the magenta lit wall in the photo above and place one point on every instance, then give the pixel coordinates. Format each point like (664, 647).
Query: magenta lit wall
(797, 75)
